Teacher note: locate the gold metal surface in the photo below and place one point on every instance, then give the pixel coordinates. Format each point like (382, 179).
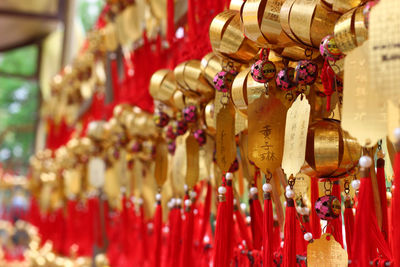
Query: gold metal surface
(162, 85)
(326, 252)
(300, 19)
(210, 65)
(344, 35)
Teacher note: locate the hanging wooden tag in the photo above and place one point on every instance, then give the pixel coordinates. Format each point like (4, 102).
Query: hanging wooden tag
(267, 117)
(72, 181)
(326, 252)
(243, 148)
(96, 172)
(301, 185)
(192, 161)
(384, 48)
(179, 165)
(161, 168)
(294, 152)
(364, 109)
(225, 137)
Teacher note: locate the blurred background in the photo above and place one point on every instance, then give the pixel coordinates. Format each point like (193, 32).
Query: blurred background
(38, 37)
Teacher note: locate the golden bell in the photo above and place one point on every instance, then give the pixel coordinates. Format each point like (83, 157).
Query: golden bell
(162, 86)
(191, 81)
(227, 39)
(211, 64)
(330, 151)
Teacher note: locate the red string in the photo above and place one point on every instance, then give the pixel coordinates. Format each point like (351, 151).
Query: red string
(176, 237)
(244, 233)
(158, 232)
(349, 225)
(268, 223)
(221, 245)
(380, 177)
(170, 21)
(206, 212)
(289, 247)
(187, 242)
(395, 214)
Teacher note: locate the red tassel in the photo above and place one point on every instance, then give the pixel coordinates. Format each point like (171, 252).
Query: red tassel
(327, 78)
(380, 177)
(188, 227)
(367, 235)
(206, 213)
(336, 224)
(268, 223)
(395, 214)
(229, 213)
(244, 233)
(289, 247)
(221, 250)
(170, 21)
(158, 232)
(349, 225)
(276, 236)
(176, 235)
(143, 236)
(315, 221)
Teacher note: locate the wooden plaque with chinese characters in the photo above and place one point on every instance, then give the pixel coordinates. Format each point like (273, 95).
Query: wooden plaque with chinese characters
(384, 48)
(161, 168)
(267, 117)
(225, 137)
(364, 109)
(294, 152)
(326, 252)
(192, 161)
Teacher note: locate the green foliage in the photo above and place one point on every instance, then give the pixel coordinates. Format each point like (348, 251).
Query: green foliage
(88, 11)
(20, 61)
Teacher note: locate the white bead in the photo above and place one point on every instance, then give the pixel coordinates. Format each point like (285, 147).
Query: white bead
(178, 201)
(222, 190)
(229, 176)
(356, 184)
(397, 133)
(166, 229)
(365, 161)
(192, 194)
(234, 201)
(306, 211)
(248, 219)
(206, 239)
(150, 226)
(185, 187)
(173, 201)
(289, 194)
(253, 191)
(243, 206)
(170, 205)
(195, 211)
(140, 201)
(275, 217)
(267, 188)
(282, 244)
(288, 188)
(188, 202)
(158, 197)
(308, 236)
(389, 195)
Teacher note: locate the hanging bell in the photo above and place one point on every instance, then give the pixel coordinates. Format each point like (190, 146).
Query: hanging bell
(306, 72)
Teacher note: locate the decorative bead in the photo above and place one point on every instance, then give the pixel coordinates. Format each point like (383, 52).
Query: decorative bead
(188, 203)
(136, 147)
(206, 239)
(222, 190)
(173, 202)
(161, 119)
(289, 193)
(356, 184)
(243, 206)
(178, 201)
(267, 188)
(229, 176)
(158, 197)
(223, 80)
(253, 191)
(263, 71)
(169, 133)
(248, 219)
(329, 49)
(328, 207)
(306, 211)
(190, 114)
(193, 194)
(397, 134)
(285, 79)
(306, 72)
(180, 127)
(308, 237)
(200, 136)
(389, 195)
(365, 161)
